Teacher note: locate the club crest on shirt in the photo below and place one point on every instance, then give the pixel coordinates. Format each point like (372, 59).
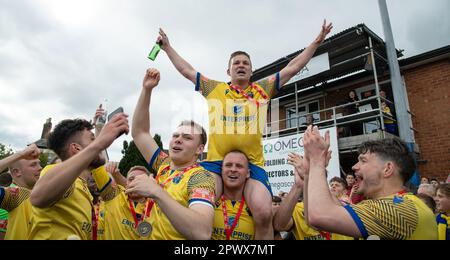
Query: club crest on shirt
(231, 221)
(238, 110)
(177, 179)
(250, 94)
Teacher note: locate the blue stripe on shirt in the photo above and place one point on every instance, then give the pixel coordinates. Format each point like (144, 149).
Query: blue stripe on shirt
(197, 84)
(357, 220)
(277, 81)
(155, 155)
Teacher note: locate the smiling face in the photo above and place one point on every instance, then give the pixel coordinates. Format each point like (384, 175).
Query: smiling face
(443, 199)
(185, 145)
(235, 171)
(26, 172)
(240, 69)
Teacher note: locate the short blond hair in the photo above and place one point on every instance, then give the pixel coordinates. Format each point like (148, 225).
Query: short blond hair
(139, 167)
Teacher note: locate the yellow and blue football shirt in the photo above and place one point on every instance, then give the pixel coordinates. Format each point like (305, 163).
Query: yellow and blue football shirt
(245, 228)
(302, 231)
(195, 186)
(119, 223)
(396, 217)
(236, 123)
(443, 222)
(72, 215)
(16, 200)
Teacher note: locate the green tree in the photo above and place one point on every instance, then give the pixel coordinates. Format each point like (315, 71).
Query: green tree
(158, 141)
(43, 157)
(131, 157)
(5, 151)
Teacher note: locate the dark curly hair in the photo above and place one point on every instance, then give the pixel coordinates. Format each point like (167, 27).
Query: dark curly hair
(395, 150)
(59, 138)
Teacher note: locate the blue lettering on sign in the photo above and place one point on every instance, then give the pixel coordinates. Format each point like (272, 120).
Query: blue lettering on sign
(291, 144)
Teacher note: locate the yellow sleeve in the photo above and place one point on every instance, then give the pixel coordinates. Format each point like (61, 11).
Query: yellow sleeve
(104, 183)
(205, 86)
(270, 85)
(44, 172)
(393, 219)
(201, 188)
(12, 197)
(158, 159)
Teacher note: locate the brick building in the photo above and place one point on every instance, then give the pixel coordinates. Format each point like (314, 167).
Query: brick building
(356, 59)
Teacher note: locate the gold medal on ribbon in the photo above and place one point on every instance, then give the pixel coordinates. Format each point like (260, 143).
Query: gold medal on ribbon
(144, 229)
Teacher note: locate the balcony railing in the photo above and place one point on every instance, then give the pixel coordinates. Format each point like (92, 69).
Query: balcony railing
(369, 112)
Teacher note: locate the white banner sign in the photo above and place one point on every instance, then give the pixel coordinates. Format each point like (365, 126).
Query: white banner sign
(315, 66)
(281, 174)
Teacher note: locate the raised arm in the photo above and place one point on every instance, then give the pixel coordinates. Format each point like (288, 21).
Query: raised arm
(323, 212)
(282, 220)
(141, 119)
(303, 58)
(32, 152)
(180, 64)
(52, 186)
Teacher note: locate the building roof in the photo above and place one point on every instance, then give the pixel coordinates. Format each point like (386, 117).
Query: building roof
(437, 54)
(348, 52)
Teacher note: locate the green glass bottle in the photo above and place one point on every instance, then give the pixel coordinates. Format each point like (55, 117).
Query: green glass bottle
(155, 51)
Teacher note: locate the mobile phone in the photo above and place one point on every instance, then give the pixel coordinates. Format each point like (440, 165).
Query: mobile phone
(115, 112)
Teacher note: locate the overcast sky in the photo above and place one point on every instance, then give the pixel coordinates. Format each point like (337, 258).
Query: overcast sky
(61, 58)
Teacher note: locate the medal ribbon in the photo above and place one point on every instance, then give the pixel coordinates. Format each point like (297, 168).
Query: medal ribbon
(229, 230)
(238, 90)
(95, 215)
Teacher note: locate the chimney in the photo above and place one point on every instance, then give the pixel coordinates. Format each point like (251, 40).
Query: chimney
(46, 129)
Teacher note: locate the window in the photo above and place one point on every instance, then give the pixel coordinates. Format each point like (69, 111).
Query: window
(303, 110)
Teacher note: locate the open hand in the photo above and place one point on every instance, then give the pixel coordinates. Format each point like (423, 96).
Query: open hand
(326, 29)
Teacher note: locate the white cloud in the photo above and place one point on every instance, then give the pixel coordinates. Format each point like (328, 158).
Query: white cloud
(60, 58)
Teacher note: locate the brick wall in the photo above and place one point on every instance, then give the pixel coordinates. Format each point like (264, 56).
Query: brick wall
(428, 88)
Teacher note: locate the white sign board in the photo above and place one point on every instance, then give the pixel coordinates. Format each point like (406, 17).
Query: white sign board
(315, 66)
(281, 174)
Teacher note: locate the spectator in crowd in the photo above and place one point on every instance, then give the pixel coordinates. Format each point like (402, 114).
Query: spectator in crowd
(429, 201)
(424, 180)
(256, 96)
(443, 207)
(383, 168)
(355, 128)
(389, 124)
(233, 219)
(352, 188)
(427, 189)
(338, 188)
(352, 98)
(62, 189)
(183, 191)
(292, 214)
(25, 169)
(435, 183)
